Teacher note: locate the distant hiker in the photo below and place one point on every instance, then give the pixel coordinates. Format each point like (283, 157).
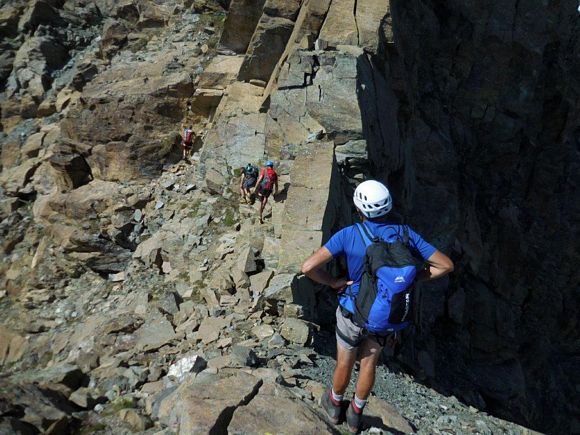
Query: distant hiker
(267, 182)
(375, 297)
(187, 142)
(247, 181)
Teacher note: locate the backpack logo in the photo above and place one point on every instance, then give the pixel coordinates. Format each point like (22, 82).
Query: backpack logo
(384, 299)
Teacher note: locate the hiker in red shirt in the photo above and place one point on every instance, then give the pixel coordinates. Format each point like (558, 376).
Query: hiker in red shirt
(187, 142)
(267, 182)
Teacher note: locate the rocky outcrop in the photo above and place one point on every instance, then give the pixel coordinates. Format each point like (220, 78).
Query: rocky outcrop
(12, 346)
(353, 22)
(243, 15)
(269, 39)
(305, 215)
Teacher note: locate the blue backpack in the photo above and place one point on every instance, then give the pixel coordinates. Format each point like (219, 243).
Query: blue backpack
(383, 302)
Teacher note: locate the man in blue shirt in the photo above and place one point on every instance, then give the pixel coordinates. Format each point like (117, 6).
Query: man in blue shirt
(373, 201)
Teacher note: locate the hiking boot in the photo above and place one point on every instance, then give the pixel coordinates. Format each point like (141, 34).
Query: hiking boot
(353, 418)
(332, 411)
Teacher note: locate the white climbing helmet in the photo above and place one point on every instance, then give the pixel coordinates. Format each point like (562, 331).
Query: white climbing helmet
(372, 199)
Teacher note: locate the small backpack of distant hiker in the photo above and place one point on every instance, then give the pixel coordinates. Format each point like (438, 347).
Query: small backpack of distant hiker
(251, 171)
(268, 179)
(383, 303)
(188, 135)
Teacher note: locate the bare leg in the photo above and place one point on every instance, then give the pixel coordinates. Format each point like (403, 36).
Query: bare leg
(263, 202)
(345, 360)
(369, 353)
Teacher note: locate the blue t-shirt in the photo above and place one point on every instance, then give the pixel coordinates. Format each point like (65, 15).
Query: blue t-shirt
(349, 242)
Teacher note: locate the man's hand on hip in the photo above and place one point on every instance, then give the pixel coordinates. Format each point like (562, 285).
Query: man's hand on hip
(340, 284)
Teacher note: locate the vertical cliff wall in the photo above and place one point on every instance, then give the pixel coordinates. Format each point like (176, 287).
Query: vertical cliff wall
(484, 159)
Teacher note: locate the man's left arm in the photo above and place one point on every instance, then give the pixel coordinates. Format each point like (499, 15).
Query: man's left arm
(438, 265)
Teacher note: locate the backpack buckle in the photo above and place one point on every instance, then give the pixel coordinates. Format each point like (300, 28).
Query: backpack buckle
(345, 313)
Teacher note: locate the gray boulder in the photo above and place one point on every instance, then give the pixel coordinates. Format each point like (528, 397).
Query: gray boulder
(295, 331)
(275, 408)
(200, 404)
(155, 333)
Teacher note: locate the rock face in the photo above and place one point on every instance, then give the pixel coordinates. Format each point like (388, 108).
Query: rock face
(269, 40)
(491, 120)
(240, 24)
(302, 227)
(136, 287)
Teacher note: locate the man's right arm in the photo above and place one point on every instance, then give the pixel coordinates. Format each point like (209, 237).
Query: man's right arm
(313, 269)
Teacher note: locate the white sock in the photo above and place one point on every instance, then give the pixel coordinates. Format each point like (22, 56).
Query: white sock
(360, 404)
(337, 397)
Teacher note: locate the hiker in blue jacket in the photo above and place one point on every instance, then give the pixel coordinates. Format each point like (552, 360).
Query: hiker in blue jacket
(373, 201)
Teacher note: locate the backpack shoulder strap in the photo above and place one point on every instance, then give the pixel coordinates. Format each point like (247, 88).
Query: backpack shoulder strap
(406, 235)
(365, 234)
(370, 234)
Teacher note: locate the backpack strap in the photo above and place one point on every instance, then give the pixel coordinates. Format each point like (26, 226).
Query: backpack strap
(368, 236)
(406, 235)
(365, 234)
(369, 233)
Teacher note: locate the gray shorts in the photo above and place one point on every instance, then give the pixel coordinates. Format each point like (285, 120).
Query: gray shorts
(346, 328)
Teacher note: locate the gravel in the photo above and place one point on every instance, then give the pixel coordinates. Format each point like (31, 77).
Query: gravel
(428, 411)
